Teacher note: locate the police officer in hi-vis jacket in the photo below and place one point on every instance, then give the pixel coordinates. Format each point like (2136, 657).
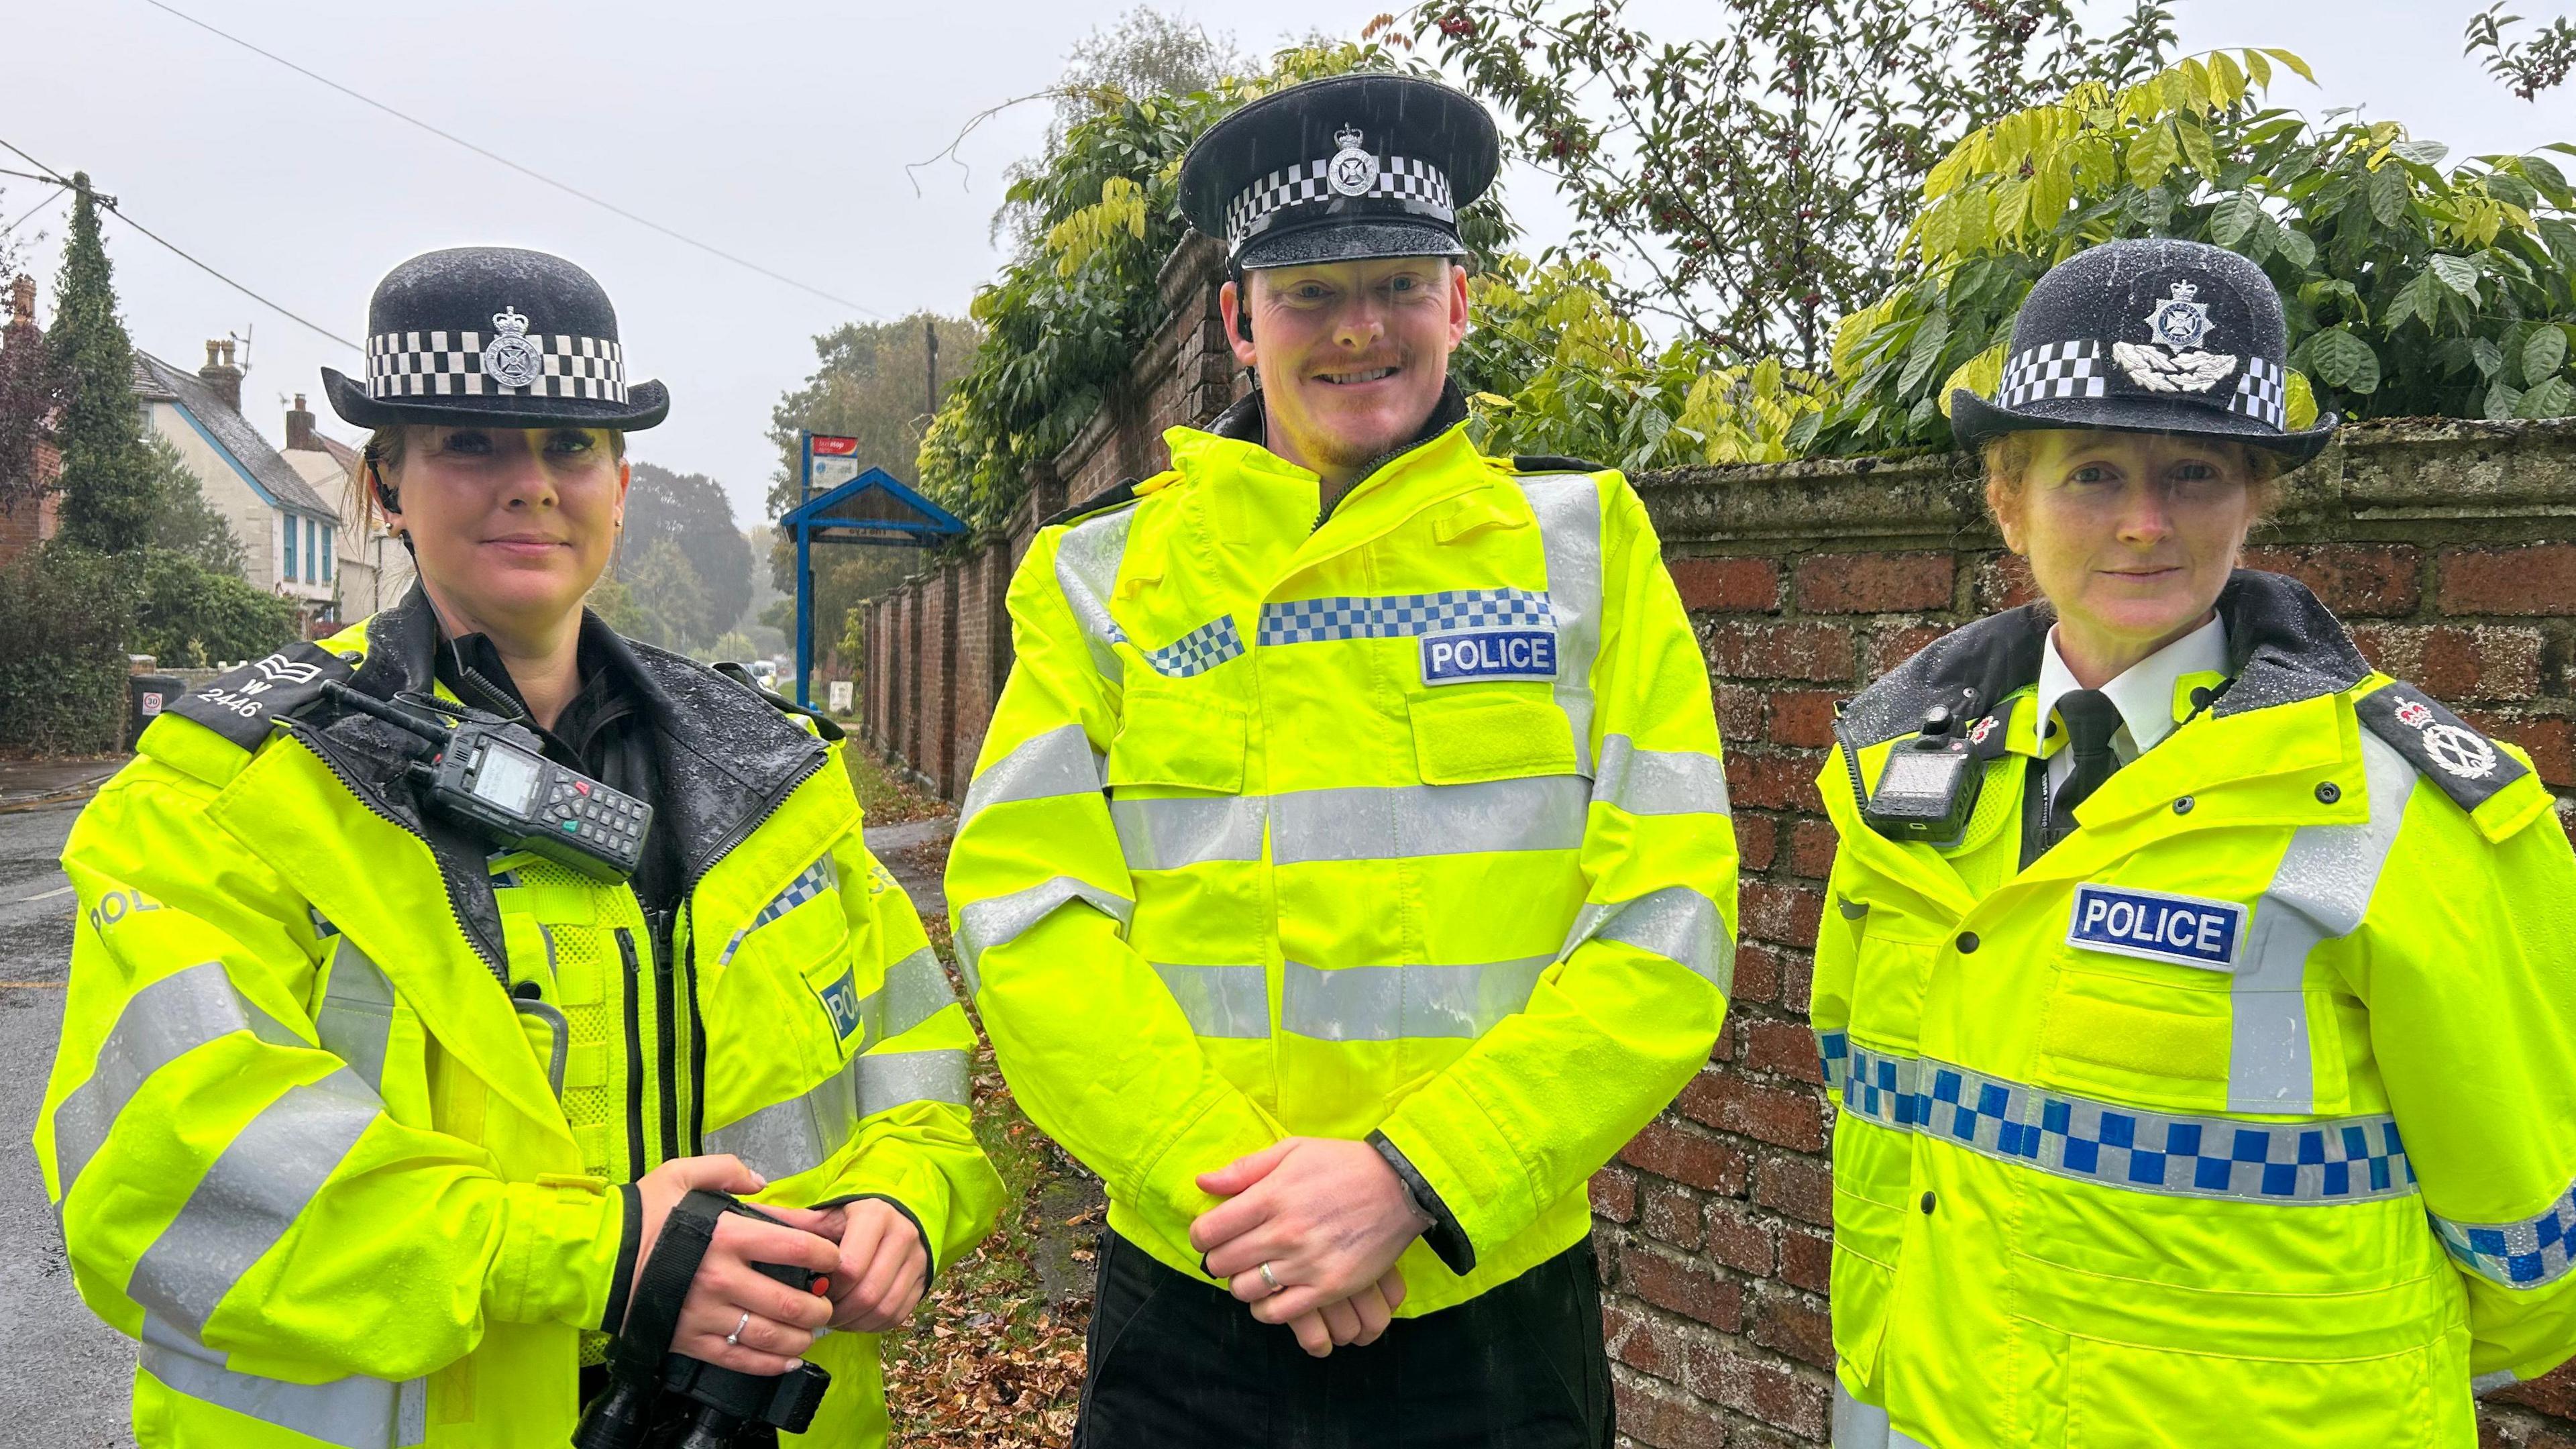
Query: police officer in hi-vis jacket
(2201, 1002)
(1347, 874)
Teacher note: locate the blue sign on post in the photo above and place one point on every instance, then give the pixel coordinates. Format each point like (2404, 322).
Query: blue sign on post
(844, 503)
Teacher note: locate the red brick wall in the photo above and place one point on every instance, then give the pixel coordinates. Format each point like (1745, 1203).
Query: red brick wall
(1806, 582)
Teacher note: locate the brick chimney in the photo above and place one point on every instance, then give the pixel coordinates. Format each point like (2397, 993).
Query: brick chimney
(220, 374)
(22, 301)
(299, 428)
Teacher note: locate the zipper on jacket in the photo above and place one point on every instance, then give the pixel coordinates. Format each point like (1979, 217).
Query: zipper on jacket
(666, 1031)
(697, 1050)
(312, 742)
(636, 1162)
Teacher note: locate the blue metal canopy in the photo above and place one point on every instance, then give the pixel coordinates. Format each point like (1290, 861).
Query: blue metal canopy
(872, 508)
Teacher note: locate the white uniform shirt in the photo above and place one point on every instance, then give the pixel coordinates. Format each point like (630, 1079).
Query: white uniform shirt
(2144, 695)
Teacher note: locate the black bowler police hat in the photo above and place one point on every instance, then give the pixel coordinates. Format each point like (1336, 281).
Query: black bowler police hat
(494, 336)
(1343, 169)
(2147, 337)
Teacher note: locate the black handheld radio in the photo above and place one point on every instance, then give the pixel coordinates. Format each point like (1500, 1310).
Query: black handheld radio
(490, 774)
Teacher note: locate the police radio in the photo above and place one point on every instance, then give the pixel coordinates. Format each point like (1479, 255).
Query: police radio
(1928, 788)
(489, 774)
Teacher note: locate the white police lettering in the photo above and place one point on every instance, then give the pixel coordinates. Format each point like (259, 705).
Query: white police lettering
(1489, 654)
(2186, 930)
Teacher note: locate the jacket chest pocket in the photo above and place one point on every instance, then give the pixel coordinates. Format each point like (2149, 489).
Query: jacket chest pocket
(1176, 774)
(2151, 990)
(803, 948)
(1489, 732)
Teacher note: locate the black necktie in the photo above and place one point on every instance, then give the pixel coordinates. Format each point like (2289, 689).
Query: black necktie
(2091, 719)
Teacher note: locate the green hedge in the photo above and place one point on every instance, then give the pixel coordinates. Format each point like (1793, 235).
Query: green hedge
(64, 617)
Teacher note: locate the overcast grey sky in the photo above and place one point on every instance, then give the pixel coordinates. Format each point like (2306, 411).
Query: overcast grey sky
(778, 131)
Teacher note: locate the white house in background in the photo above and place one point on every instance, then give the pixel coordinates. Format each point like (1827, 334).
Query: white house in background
(372, 566)
(289, 533)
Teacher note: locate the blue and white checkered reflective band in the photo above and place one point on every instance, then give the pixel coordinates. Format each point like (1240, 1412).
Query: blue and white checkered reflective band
(2528, 1254)
(1403, 616)
(1419, 184)
(1196, 652)
(810, 882)
(1834, 1048)
(2348, 1159)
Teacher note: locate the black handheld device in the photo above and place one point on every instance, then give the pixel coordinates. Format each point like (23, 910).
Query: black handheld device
(656, 1397)
(492, 775)
(1928, 788)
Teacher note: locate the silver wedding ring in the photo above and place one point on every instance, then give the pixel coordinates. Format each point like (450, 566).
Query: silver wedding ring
(1271, 1278)
(734, 1339)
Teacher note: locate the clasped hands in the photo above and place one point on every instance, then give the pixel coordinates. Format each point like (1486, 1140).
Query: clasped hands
(1329, 1217)
(871, 1252)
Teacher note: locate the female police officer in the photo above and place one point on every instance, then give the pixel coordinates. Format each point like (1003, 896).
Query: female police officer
(365, 1114)
(2208, 1076)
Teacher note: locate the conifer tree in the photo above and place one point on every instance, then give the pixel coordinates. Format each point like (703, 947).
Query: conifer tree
(108, 481)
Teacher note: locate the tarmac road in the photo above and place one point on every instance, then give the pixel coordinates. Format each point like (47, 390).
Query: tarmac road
(69, 1374)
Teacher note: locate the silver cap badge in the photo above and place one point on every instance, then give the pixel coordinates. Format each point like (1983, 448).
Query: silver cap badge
(510, 359)
(1352, 171)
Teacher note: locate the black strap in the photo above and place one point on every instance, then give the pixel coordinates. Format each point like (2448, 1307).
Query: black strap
(654, 1319)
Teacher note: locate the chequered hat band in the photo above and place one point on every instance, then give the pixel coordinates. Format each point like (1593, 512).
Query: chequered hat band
(2081, 370)
(450, 364)
(1399, 178)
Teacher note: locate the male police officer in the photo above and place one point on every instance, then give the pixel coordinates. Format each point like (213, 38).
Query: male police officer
(1348, 861)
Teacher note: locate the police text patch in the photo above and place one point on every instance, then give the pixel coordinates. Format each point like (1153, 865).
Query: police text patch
(2185, 930)
(841, 999)
(1496, 654)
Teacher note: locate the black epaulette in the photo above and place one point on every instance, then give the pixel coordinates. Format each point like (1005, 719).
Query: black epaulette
(830, 727)
(2467, 765)
(1118, 497)
(1551, 463)
(242, 705)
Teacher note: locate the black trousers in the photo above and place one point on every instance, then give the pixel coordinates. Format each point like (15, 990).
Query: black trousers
(1177, 1364)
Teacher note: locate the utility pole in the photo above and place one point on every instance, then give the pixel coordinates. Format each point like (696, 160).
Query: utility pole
(930, 346)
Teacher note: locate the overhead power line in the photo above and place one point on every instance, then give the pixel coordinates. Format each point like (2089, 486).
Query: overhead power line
(530, 172)
(115, 209)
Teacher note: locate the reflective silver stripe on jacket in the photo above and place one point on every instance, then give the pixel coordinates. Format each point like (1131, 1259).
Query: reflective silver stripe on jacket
(250, 1198)
(1864, 1426)
(1179, 831)
(1568, 506)
(1659, 782)
(983, 925)
(801, 1133)
(1676, 923)
(357, 1014)
(887, 1080)
(2531, 1252)
(1389, 1003)
(1406, 822)
(356, 1412)
(159, 1024)
(1059, 762)
(1086, 572)
(2344, 1159)
(2321, 890)
(1231, 1002)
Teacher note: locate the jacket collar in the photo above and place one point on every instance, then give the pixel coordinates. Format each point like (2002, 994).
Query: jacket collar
(2283, 647)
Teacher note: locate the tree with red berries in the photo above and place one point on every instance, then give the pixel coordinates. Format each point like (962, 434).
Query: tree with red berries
(1751, 185)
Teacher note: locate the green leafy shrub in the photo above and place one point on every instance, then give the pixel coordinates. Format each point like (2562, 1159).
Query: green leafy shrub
(2410, 289)
(64, 615)
(189, 615)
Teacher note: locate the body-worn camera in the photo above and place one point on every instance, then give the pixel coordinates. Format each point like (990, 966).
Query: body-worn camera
(1928, 788)
(492, 775)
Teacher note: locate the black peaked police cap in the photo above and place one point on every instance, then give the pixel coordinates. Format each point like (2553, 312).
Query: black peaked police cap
(1344, 169)
(494, 336)
(2147, 337)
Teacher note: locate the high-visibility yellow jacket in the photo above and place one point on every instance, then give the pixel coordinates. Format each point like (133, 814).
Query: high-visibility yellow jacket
(1412, 823)
(2244, 1115)
(348, 1188)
